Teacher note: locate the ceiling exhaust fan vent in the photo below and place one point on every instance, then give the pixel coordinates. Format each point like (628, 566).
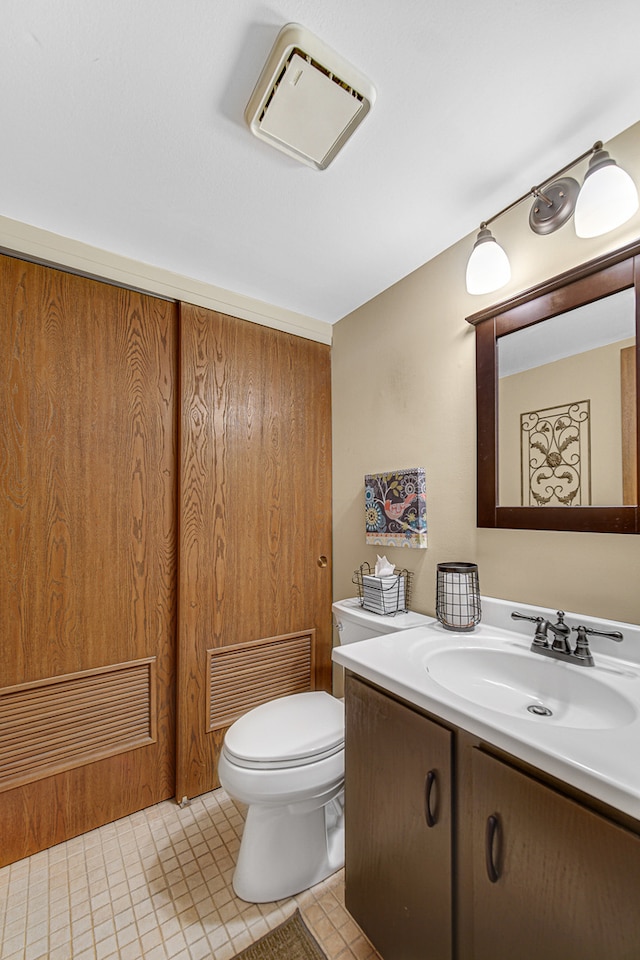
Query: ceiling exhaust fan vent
(308, 100)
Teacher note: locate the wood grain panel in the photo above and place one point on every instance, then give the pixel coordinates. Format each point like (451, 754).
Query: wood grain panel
(254, 505)
(64, 722)
(567, 878)
(245, 675)
(398, 869)
(87, 521)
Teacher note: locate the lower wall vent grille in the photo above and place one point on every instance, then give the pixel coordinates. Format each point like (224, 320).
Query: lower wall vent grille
(63, 722)
(245, 675)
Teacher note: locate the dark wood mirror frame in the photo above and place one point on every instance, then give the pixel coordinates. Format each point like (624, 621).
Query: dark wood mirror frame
(598, 278)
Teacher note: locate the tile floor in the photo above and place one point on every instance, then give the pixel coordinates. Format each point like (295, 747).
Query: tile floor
(156, 885)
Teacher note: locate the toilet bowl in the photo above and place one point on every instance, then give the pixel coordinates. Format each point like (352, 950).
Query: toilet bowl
(285, 760)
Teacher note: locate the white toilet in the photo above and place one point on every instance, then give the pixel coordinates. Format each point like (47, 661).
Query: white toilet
(285, 760)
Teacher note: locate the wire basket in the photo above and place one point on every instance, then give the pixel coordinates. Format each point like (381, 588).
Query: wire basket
(458, 596)
(383, 595)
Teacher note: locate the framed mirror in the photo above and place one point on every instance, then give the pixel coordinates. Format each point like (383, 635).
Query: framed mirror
(557, 402)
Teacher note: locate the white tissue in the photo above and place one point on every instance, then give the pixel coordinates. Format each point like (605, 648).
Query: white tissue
(384, 568)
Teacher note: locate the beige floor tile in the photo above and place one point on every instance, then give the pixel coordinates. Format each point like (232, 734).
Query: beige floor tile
(156, 886)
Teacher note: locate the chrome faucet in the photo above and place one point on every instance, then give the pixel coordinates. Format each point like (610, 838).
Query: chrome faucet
(560, 648)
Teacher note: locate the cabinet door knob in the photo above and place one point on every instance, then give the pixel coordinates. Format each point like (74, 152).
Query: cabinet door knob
(322, 561)
(491, 832)
(429, 782)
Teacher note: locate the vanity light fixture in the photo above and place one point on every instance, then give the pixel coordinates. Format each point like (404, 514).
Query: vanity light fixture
(607, 199)
(488, 267)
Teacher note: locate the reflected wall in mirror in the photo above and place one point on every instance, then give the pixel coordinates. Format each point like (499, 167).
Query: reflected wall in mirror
(560, 420)
(557, 394)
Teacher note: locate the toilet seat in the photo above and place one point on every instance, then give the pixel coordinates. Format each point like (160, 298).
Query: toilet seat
(288, 732)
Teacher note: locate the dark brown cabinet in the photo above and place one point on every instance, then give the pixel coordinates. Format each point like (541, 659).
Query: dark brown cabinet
(551, 878)
(511, 866)
(398, 826)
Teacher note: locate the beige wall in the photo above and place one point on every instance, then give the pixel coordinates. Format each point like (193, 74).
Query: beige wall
(594, 376)
(404, 395)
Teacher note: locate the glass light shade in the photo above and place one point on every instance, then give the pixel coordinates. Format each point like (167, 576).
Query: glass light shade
(608, 197)
(488, 268)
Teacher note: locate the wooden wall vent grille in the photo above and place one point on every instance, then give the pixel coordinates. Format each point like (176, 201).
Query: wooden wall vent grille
(63, 722)
(244, 675)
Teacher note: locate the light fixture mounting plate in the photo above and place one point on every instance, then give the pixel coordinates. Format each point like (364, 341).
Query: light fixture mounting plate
(544, 218)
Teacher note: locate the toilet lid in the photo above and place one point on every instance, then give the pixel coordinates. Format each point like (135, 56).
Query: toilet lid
(289, 731)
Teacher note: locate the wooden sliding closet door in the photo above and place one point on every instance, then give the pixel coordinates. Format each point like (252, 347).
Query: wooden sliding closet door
(255, 528)
(88, 535)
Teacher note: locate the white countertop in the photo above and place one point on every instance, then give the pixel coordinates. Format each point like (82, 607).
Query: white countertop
(602, 762)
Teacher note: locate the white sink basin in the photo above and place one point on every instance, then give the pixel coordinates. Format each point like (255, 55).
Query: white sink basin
(483, 682)
(530, 687)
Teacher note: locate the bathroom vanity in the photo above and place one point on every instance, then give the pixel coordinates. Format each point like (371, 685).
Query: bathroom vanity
(471, 836)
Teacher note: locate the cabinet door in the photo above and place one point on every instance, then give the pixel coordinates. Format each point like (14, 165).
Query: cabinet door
(566, 879)
(398, 867)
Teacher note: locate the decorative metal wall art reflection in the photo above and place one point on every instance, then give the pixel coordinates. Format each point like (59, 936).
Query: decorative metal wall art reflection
(396, 508)
(556, 455)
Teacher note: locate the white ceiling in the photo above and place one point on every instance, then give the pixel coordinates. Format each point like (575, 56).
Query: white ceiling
(593, 325)
(122, 127)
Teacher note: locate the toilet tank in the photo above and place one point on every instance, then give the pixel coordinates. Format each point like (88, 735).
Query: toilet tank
(355, 623)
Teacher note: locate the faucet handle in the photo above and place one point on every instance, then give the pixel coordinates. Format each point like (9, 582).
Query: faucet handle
(540, 638)
(521, 616)
(582, 651)
(613, 635)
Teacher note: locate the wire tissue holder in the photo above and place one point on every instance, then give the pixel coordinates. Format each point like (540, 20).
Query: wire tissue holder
(383, 595)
